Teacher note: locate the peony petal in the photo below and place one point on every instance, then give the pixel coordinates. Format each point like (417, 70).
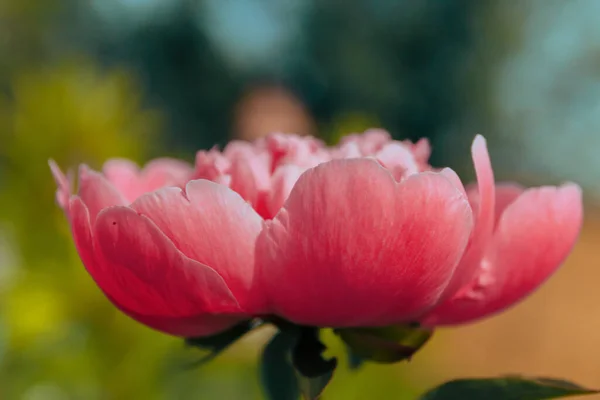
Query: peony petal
(398, 159)
(351, 247)
(346, 150)
(211, 165)
(534, 235)
(454, 178)
(163, 172)
(150, 275)
(119, 290)
(97, 193)
(250, 173)
(132, 182)
(84, 243)
(422, 151)
(123, 175)
(369, 142)
(484, 220)
(208, 223)
(252, 180)
(243, 181)
(506, 194)
(197, 326)
(284, 179)
(63, 191)
(304, 151)
(167, 171)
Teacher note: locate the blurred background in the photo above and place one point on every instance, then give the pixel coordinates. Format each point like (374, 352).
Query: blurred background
(83, 81)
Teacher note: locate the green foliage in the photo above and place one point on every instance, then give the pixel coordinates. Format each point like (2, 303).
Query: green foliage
(314, 372)
(277, 373)
(507, 388)
(385, 345)
(216, 344)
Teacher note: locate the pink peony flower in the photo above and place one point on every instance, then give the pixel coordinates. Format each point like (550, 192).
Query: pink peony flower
(363, 234)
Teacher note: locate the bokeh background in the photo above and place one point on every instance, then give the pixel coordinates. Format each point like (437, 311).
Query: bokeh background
(83, 81)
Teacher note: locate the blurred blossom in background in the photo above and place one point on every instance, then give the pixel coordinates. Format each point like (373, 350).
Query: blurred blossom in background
(87, 81)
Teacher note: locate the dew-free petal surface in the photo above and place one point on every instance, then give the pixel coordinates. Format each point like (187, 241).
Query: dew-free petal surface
(208, 223)
(352, 247)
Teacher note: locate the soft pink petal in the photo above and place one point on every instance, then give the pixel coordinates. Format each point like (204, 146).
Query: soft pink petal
(251, 179)
(351, 247)
(304, 151)
(369, 142)
(244, 149)
(250, 169)
(484, 218)
(211, 165)
(284, 179)
(123, 175)
(133, 182)
(243, 181)
(455, 179)
(211, 224)
(198, 326)
(398, 159)
(534, 235)
(160, 280)
(163, 172)
(82, 236)
(346, 150)
(422, 151)
(97, 193)
(64, 190)
(120, 287)
(506, 194)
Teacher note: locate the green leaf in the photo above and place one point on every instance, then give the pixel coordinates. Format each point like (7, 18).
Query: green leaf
(506, 388)
(314, 371)
(277, 373)
(215, 344)
(387, 344)
(312, 387)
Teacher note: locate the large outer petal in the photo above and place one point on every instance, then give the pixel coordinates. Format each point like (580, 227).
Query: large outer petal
(483, 208)
(534, 235)
(147, 276)
(121, 289)
(211, 224)
(352, 247)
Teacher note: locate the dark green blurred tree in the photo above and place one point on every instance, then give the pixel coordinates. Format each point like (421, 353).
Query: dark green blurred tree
(399, 62)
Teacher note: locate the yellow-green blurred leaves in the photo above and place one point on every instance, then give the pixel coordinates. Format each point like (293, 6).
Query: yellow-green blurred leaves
(59, 328)
(74, 112)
